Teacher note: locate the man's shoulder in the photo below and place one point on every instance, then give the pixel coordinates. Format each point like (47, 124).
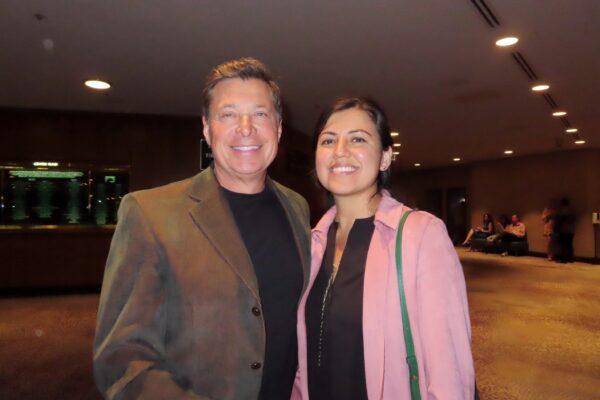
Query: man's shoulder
(289, 193)
(169, 192)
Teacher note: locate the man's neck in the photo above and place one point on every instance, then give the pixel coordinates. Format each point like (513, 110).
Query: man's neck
(250, 185)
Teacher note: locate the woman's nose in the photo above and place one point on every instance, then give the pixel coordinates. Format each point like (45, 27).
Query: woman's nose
(341, 147)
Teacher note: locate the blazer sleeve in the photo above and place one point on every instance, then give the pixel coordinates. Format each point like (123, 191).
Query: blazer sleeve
(445, 329)
(129, 349)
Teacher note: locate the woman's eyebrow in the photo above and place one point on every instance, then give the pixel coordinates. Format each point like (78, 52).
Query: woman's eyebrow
(360, 130)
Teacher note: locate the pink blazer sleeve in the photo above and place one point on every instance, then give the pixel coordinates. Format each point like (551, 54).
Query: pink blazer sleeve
(443, 315)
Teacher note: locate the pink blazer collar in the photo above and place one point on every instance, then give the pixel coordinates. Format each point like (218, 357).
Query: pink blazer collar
(387, 216)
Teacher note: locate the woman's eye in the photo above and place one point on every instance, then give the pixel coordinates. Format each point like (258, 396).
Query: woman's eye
(261, 114)
(358, 140)
(325, 142)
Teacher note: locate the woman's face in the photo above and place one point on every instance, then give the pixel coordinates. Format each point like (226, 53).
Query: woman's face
(349, 154)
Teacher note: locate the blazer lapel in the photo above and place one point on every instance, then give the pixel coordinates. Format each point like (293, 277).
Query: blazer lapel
(300, 232)
(374, 302)
(212, 216)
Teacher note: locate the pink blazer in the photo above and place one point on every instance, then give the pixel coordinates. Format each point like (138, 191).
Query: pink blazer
(437, 304)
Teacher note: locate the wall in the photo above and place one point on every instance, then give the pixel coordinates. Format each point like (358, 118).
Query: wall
(157, 149)
(522, 185)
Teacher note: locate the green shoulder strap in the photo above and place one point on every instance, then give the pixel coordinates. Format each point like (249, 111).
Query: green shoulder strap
(411, 359)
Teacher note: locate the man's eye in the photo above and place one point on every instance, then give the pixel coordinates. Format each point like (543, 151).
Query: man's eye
(261, 114)
(227, 114)
(358, 140)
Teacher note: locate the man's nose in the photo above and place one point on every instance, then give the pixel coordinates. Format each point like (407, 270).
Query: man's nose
(245, 125)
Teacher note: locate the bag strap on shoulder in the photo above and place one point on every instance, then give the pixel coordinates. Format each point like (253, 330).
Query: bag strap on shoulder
(411, 359)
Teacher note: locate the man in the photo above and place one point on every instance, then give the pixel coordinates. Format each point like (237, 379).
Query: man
(204, 275)
(564, 229)
(513, 232)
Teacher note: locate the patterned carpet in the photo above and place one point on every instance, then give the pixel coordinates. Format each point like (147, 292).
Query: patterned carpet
(536, 334)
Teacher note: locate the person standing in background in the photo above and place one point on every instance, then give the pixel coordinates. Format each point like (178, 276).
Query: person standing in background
(564, 227)
(548, 216)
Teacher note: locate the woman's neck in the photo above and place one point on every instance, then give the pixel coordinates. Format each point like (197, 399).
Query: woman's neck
(350, 208)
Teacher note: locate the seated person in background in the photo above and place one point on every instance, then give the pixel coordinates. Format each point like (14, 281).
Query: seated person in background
(481, 231)
(515, 228)
(515, 231)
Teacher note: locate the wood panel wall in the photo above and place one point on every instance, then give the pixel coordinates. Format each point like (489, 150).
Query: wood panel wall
(157, 149)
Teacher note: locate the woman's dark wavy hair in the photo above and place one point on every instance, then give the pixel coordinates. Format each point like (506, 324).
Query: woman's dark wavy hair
(377, 115)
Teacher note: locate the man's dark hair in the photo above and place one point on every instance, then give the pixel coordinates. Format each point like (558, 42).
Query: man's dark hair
(243, 68)
(375, 113)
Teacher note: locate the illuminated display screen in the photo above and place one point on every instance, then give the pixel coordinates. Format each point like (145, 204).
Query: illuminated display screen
(59, 197)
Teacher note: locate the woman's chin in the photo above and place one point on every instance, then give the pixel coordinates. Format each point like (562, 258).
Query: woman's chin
(341, 191)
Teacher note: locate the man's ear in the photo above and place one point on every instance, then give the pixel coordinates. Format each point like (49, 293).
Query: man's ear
(386, 159)
(279, 131)
(205, 130)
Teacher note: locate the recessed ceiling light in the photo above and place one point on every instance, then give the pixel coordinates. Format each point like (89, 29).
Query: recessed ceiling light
(540, 88)
(417, 164)
(97, 84)
(456, 159)
(397, 144)
(395, 153)
(580, 141)
(394, 134)
(571, 130)
(559, 113)
(508, 152)
(507, 41)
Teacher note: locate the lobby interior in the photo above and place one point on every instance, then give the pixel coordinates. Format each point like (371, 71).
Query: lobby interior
(475, 131)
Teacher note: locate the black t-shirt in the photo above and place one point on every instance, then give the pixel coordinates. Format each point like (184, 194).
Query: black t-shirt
(269, 240)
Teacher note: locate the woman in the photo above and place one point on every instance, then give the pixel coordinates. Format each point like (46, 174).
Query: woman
(483, 231)
(349, 321)
(548, 218)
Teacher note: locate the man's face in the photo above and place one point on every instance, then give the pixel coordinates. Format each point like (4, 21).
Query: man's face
(243, 130)
(514, 219)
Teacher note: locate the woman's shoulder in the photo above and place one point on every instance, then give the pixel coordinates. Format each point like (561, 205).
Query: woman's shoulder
(424, 223)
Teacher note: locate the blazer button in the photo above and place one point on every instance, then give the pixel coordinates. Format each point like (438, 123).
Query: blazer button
(255, 365)
(256, 311)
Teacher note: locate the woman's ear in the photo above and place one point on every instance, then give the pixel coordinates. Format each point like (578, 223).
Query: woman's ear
(386, 159)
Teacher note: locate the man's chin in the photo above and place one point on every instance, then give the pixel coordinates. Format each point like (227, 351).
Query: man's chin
(246, 172)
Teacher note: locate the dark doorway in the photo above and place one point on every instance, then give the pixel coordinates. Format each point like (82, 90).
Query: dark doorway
(456, 214)
(434, 202)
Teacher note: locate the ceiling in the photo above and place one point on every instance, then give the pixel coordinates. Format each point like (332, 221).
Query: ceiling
(433, 65)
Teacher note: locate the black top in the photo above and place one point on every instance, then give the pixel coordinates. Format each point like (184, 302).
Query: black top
(336, 362)
(268, 237)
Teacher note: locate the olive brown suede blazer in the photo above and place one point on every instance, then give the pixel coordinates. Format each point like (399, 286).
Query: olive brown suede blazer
(180, 313)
